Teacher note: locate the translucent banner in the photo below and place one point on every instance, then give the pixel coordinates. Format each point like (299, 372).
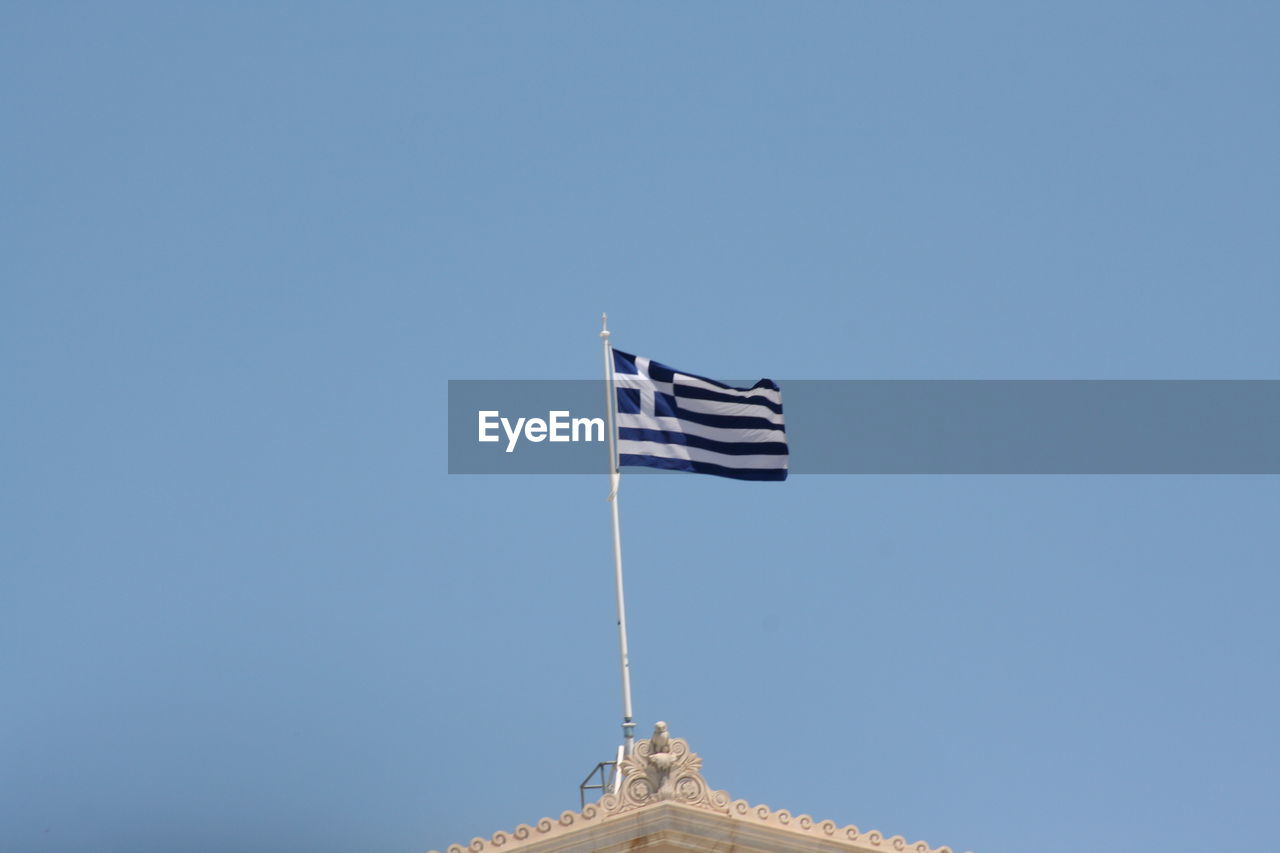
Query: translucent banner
(910, 426)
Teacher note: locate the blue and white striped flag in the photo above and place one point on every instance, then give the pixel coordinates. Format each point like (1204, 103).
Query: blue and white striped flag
(668, 419)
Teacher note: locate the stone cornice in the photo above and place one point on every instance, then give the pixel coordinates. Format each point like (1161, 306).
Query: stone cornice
(663, 796)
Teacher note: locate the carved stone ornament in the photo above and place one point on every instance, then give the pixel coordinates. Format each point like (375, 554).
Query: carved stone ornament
(662, 769)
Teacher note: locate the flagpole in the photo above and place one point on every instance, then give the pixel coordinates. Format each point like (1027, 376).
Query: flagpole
(628, 724)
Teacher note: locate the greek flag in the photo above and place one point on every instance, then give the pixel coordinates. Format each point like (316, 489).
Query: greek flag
(669, 419)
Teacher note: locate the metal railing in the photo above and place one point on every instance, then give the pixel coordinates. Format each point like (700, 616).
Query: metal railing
(609, 775)
(600, 779)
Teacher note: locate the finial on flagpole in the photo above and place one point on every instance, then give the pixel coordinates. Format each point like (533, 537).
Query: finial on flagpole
(604, 326)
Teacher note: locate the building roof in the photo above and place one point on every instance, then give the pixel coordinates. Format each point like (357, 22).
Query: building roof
(664, 805)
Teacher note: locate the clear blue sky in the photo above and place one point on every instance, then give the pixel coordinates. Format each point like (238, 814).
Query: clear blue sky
(244, 608)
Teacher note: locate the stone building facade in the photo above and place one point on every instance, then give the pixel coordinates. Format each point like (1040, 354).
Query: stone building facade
(664, 805)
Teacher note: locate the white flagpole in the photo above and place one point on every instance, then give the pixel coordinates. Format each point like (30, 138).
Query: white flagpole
(611, 398)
